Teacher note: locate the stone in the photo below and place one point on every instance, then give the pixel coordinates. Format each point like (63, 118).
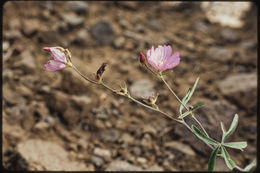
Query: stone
(120, 165)
(248, 44)
(30, 27)
(221, 54)
(153, 25)
(73, 20)
(155, 168)
(97, 161)
(142, 88)
(79, 7)
(119, 42)
(27, 62)
(109, 135)
(102, 32)
(81, 100)
(12, 35)
(229, 35)
(241, 89)
(226, 13)
(48, 155)
(104, 153)
(184, 148)
(80, 38)
(101, 112)
(141, 160)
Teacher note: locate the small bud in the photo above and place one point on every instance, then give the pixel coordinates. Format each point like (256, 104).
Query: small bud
(123, 90)
(142, 58)
(152, 100)
(100, 72)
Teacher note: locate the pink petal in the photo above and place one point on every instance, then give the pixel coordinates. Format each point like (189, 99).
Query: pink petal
(172, 61)
(53, 65)
(48, 49)
(58, 55)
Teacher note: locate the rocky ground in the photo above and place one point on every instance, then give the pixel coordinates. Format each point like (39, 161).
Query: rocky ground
(58, 121)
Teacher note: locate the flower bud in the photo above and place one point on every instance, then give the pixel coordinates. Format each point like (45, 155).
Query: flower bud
(100, 72)
(152, 100)
(123, 90)
(142, 58)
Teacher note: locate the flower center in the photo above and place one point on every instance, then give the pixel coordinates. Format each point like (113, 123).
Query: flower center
(159, 63)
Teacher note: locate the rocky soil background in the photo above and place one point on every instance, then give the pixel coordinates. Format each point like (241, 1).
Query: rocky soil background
(58, 121)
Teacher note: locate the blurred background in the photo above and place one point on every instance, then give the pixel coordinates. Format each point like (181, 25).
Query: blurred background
(58, 121)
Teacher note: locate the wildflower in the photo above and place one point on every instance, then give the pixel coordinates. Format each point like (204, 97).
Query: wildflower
(161, 58)
(152, 100)
(59, 56)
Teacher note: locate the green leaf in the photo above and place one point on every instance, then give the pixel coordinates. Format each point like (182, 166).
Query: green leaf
(203, 137)
(250, 166)
(189, 112)
(236, 145)
(232, 128)
(188, 95)
(198, 106)
(212, 159)
(223, 131)
(230, 163)
(185, 114)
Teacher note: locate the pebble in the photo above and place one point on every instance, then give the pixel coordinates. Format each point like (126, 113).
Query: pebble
(120, 165)
(109, 135)
(49, 155)
(97, 161)
(73, 20)
(30, 27)
(219, 53)
(153, 25)
(184, 148)
(104, 153)
(102, 32)
(119, 42)
(241, 88)
(101, 112)
(229, 35)
(26, 62)
(142, 88)
(79, 7)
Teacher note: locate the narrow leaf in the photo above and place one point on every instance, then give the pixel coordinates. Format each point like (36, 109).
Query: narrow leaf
(188, 95)
(223, 131)
(212, 159)
(203, 137)
(189, 112)
(184, 100)
(198, 106)
(250, 166)
(236, 145)
(185, 114)
(232, 127)
(230, 163)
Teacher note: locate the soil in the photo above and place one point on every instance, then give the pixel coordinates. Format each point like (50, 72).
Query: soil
(58, 121)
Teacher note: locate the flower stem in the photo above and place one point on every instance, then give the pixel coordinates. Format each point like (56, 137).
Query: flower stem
(87, 79)
(161, 77)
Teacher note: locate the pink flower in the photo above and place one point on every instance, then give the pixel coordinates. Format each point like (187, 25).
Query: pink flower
(161, 58)
(59, 59)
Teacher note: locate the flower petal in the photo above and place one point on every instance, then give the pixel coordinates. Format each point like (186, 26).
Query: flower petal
(58, 55)
(172, 62)
(53, 65)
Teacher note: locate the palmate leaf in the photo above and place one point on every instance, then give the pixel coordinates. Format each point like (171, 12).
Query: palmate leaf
(212, 159)
(203, 137)
(236, 145)
(232, 128)
(230, 163)
(188, 95)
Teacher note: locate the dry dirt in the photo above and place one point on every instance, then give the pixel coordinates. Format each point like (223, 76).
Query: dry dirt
(58, 121)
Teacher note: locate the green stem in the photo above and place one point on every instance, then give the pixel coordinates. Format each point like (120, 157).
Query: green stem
(161, 77)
